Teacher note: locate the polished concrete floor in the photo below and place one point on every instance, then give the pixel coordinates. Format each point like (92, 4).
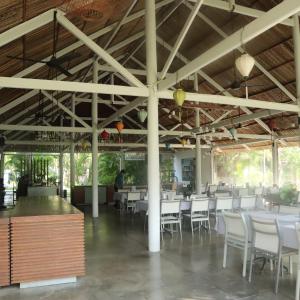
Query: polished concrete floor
(119, 267)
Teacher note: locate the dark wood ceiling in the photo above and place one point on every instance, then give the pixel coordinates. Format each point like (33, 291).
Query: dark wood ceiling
(273, 50)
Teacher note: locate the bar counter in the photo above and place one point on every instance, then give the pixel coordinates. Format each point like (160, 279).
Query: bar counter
(45, 242)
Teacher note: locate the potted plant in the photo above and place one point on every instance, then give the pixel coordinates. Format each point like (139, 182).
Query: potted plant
(288, 194)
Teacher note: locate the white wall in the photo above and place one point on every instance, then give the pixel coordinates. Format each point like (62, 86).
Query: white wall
(206, 168)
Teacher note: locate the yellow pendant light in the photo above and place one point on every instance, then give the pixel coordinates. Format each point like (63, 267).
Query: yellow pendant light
(179, 96)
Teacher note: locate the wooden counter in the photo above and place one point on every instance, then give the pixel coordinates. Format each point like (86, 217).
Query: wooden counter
(46, 240)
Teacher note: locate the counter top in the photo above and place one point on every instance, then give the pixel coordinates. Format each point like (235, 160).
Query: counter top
(40, 206)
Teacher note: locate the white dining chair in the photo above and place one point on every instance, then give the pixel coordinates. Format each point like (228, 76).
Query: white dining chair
(199, 213)
(267, 242)
(196, 196)
(170, 214)
(132, 197)
(170, 195)
(222, 194)
(243, 192)
(292, 210)
(223, 204)
(248, 202)
(297, 297)
(236, 236)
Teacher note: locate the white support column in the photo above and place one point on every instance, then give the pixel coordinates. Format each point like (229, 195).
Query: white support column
(153, 141)
(2, 164)
(198, 155)
(72, 148)
(296, 38)
(275, 163)
(95, 144)
(61, 167)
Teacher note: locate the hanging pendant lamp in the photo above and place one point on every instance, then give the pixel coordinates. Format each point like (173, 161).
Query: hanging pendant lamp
(179, 96)
(119, 126)
(233, 132)
(142, 115)
(183, 141)
(104, 135)
(245, 64)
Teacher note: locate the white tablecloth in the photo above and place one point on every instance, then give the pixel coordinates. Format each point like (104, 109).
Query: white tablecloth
(286, 225)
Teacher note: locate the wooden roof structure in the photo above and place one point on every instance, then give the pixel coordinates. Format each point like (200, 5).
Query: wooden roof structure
(34, 30)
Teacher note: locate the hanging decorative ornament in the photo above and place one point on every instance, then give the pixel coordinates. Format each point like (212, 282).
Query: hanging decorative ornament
(272, 125)
(120, 126)
(142, 115)
(85, 144)
(168, 146)
(233, 132)
(183, 141)
(104, 135)
(245, 64)
(188, 141)
(179, 96)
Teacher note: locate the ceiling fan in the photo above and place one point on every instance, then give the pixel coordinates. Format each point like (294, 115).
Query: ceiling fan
(54, 62)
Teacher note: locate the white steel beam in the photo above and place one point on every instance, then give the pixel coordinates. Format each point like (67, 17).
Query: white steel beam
(97, 49)
(240, 49)
(65, 109)
(296, 40)
(26, 27)
(93, 36)
(239, 9)
(213, 83)
(271, 18)
(227, 100)
(70, 86)
(181, 37)
(122, 111)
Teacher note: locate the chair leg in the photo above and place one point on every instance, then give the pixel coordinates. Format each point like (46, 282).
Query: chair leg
(251, 265)
(192, 227)
(208, 222)
(271, 265)
(245, 260)
(180, 230)
(225, 255)
(290, 265)
(277, 274)
(298, 285)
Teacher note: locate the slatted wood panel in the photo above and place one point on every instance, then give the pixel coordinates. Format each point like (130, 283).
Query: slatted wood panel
(4, 252)
(47, 247)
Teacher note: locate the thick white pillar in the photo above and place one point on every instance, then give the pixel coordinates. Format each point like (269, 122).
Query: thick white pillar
(275, 163)
(198, 154)
(296, 40)
(72, 148)
(153, 142)
(95, 144)
(61, 166)
(2, 164)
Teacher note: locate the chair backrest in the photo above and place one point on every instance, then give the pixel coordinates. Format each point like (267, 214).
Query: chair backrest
(222, 194)
(178, 197)
(170, 195)
(134, 196)
(293, 210)
(201, 204)
(248, 202)
(235, 226)
(224, 203)
(259, 191)
(170, 207)
(265, 234)
(201, 196)
(213, 188)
